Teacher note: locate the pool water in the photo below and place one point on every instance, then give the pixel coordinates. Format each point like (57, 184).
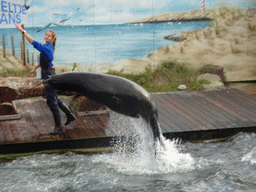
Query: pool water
(207, 166)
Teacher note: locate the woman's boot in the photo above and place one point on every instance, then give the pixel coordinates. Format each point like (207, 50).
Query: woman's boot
(66, 110)
(57, 120)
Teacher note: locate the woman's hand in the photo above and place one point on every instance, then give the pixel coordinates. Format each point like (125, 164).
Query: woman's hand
(31, 73)
(19, 28)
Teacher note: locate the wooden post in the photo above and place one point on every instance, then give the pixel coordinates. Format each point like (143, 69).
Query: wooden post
(32, 58)
(13, 49)
(3, 45)
(21, 56)
(27, 56)
(23, 47)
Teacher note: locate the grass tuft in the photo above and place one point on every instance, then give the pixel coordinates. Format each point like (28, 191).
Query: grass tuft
(234, 49)
(74, 66)
(217, 30)
(166, 77)
(236, 41)
(166, 49)
(15, 72)
(181, 49)
(251, 27)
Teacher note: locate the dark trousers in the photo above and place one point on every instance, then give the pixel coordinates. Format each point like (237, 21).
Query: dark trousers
(52, 98)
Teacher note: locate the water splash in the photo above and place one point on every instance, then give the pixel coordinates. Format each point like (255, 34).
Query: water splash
(136, 155)
(217, 166)
(251, 156)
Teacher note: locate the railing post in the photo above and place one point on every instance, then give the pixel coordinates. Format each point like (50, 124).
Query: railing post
(3, 45)
(32, 58)
(21, 55)
(27, 56)
(23, 47)
(13, 49)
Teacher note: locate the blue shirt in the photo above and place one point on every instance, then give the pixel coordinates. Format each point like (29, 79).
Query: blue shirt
(46, 49)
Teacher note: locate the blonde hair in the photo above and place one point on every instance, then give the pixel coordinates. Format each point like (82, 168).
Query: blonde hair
(54, 37)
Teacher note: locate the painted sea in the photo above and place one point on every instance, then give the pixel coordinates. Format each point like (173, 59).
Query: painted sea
(103, 44)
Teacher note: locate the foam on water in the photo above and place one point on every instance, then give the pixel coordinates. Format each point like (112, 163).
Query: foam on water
(251, 156)
(217, 166)
(140, 158)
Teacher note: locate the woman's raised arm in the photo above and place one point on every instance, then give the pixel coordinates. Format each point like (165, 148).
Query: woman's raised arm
(28, 37)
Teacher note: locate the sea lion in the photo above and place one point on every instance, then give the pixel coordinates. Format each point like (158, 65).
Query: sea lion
(119, 94)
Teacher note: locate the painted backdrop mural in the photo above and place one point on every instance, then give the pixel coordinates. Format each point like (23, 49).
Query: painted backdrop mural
(96, 33)
(12, 11)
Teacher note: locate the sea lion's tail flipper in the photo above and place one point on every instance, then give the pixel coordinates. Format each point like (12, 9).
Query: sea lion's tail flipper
(155, 127)
(158, 138)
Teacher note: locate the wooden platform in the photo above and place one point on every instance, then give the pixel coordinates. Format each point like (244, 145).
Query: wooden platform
(193, 115)
(202, 115)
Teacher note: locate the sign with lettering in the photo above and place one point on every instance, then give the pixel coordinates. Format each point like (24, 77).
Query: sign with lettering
(12, 11)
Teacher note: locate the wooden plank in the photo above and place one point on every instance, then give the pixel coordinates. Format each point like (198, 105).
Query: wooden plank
(98, 128)
(169, 121)
(212, 100)
(201, 108)
(220, 119)
(2, 138)
(23, 126)
(188, 111)
(25, 109)
(102, 119)
(164, 125)
(242, 106)
(190, 101)
(84, 126)
(172, 121)
(9, 117)
(8, 135)
(173, 113)
(240, 109)
(227, 109)
(71, 129)
(40, 118)
(36, 118)
(248, 99)
(90, 124)
(48, 113)
(75, 133)
(15, 131)
(192, 112)
(196, 125)
(227, 119)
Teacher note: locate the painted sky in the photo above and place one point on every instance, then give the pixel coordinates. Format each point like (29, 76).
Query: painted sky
(87, 12)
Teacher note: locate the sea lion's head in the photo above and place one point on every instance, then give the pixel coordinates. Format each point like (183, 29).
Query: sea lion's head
(63, 82)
